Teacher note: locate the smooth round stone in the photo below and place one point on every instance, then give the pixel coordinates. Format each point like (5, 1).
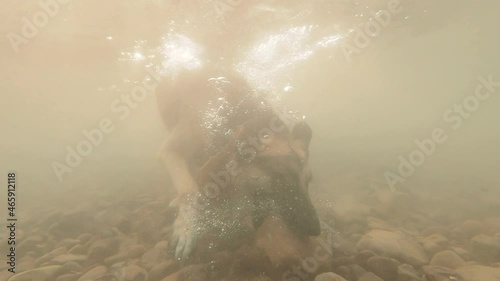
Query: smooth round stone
(395, 245)
(383, 267)
(329, 276)
(115, 259)
(132, 273)
(163, 269)
(77, 250)
(152, 258)
(479, 273)
(406, 272)
(356, 271)
(447, 259)
(94, 273)
(439, 273)
(61, 259)
(162, 245)
(485, 248)
(370, 276)
(69, 277)
(37, 274)
(84, 238)
(473, 228)
(136, 251)
(362, 257)
(71, 267)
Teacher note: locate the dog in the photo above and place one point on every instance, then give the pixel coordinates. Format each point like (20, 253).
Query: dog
(234, 160)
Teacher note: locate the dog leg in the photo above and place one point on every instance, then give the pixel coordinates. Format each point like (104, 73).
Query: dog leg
(184, 237)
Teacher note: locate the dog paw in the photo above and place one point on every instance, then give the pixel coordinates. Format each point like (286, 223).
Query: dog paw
(183, 241)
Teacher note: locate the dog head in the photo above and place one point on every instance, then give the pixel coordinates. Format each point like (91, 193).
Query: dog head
(279, 173)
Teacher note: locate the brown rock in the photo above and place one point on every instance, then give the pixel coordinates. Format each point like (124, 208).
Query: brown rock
(472, 228)
(101, 249)
(383, 267)
(163, 269)
(329, 276)
(362, 257)
(342, 261)
(438, 273)
(356, 271)
(94, 273)
(37, 274)
(395, 245)
(344, 271)
(84, 238)
(479, 273)
(152, 258)
(77, 250)
(69, 277)
(447, 259)
(485, 248)
(162, 245)
(406, 272)
(136, 251)
(370, 276)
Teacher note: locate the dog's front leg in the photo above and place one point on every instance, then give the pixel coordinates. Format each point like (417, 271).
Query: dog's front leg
(184, 238)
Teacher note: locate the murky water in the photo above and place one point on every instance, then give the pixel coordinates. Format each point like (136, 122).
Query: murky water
(401, 96)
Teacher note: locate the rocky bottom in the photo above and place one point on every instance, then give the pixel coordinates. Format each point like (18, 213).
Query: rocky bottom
(379, 235)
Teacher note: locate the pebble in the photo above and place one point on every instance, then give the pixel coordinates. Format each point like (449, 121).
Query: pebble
(131, 273)
(356, 271)
(136, 251)
(464, 254)
(77, 250)
(329, 276)
(472, 228)
(162, 245)
(485, 248)
(101, 249)
(479, 273)
(438, 273)
(153, 257)
(394, 245)
(49, 256)
(61, 259)
(363, 256)
(370, 276)
(406, 272)
(383, 267)
(344, 271)
(115, 259)
(69, 277)
(447, 259)
(37, 274)
(163, 269)
(94, 273)
(84, 238)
